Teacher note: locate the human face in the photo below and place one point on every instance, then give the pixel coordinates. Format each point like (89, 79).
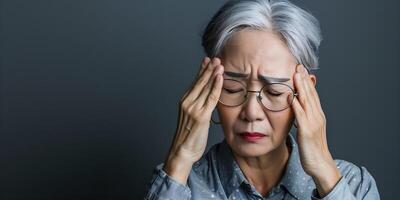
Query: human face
(257, 54)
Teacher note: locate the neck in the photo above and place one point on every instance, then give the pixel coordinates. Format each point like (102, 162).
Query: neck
(264, 172)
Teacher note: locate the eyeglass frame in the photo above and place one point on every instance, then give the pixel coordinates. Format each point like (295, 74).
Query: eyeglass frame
(294, 94)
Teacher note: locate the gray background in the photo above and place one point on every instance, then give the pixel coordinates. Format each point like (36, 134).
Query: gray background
(89, 90)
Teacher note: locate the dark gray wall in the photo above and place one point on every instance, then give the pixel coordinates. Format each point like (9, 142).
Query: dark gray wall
(89, 90)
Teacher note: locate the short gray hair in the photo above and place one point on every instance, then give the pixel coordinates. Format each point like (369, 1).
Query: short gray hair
(299, 29)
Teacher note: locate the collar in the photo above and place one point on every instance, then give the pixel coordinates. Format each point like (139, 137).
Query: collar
(295, 178)
(232, 177)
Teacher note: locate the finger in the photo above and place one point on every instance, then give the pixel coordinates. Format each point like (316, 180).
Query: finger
(203, 80)
(204, 64)
(311, 93)
(215, 93)
(298, 112)
(299, 86)
(309, 98)
(208, 88)
(186, 124)
(314, 93)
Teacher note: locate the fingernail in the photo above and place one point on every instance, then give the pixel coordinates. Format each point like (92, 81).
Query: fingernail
(219, 69)
(206, 59)
(215, 61)
(298, 69)
(302, 69)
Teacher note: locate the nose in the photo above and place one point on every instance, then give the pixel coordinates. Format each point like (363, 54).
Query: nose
(252, 109)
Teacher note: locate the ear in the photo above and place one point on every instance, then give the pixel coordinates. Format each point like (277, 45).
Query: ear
(313, 79)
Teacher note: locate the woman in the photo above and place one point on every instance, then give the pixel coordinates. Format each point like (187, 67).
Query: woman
(259, 81)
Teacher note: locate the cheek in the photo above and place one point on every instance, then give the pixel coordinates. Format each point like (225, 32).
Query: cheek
(281, 123)
(279, 119)
(228, 116)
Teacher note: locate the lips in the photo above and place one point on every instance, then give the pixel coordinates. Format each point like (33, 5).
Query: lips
(252, 136)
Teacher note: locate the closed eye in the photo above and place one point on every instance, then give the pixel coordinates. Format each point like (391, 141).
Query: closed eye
(274, 94)
(233, 90)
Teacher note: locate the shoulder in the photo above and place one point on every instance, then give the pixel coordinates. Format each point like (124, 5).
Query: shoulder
(357, 177)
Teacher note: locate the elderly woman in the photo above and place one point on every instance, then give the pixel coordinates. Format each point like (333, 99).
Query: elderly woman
(257, 75)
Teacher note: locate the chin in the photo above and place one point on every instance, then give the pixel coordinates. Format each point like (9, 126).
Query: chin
(250, 153)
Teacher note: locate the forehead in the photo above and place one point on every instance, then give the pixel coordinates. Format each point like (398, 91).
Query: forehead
(255, 51)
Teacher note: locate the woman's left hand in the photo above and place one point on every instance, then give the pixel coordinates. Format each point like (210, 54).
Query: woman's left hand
(315, 157)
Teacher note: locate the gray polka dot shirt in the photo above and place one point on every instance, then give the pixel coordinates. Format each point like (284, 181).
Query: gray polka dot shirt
(217, 176)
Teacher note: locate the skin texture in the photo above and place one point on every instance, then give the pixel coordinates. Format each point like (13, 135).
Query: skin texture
(258, 53)
(263, 162)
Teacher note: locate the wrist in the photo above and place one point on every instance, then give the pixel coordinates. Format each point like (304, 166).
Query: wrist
(326, 180)
(178, 168)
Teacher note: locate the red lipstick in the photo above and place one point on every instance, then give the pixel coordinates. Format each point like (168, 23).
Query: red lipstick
(252, 136)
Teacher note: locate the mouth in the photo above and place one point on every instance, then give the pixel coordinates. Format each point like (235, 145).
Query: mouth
(252, 136)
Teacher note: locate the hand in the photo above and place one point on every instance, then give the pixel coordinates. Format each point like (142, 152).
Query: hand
(196, 108)
(315, 157)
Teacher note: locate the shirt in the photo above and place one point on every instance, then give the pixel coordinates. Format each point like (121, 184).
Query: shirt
(217, 176)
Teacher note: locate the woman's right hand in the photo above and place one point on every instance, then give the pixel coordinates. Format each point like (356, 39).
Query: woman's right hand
(196, 108)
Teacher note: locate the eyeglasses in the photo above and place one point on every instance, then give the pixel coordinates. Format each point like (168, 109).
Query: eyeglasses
(273, 96)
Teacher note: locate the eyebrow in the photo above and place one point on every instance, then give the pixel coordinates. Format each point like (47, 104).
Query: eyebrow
(261, 77)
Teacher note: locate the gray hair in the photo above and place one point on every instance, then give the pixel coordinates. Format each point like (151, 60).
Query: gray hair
(299, 29)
